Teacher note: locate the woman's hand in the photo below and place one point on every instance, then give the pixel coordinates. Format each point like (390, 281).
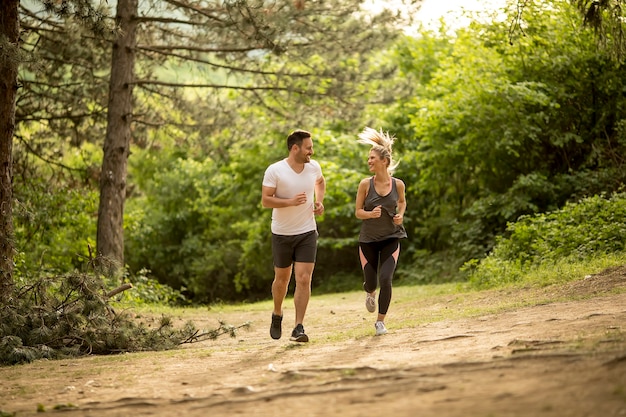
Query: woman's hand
(376, 212)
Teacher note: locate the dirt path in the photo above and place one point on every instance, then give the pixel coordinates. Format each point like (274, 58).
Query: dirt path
(557, 359)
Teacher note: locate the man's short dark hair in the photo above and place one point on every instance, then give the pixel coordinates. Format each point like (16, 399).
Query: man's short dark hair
(296, 137)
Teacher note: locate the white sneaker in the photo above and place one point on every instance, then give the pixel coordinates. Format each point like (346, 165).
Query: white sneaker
(380, 328)
(370, 303)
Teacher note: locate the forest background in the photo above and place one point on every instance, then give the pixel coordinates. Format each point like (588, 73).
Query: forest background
(496, 122)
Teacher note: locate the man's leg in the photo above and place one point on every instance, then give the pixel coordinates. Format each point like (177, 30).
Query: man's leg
(279, 291)
(302, 294)
(280, 287)
(304, 256)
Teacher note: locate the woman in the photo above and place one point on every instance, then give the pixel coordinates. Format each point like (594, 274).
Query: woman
(381, 204)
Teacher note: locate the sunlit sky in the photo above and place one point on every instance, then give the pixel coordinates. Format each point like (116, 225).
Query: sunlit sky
(431, 11)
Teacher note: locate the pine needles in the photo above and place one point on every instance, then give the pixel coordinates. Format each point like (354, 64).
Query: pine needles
(69, 316)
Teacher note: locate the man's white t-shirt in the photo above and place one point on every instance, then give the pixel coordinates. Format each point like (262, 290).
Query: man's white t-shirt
(293, 220)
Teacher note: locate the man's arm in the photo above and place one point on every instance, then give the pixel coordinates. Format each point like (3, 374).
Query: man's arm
(269, 199)
(320, 191)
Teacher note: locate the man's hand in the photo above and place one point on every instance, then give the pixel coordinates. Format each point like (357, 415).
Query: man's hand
(299, 199)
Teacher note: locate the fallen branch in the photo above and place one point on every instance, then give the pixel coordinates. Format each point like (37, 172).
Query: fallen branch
(200, 335)
(119, 289)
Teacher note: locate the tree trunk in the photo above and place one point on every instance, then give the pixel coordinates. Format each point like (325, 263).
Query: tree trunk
(9, 38)
(110, 235)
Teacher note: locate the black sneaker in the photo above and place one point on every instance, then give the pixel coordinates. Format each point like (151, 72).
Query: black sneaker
(298, 334)
(276, 328)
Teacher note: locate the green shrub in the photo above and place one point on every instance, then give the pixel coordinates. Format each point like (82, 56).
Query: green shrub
(147, 290)
(592, 228)
(54, 228)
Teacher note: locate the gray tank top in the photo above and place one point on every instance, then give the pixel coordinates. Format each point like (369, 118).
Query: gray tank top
(374, 230)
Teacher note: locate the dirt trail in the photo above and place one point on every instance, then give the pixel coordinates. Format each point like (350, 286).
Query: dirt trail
(555, 360)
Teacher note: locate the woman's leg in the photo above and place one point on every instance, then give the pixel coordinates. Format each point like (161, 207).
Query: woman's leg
(369, 263)
(389, 253)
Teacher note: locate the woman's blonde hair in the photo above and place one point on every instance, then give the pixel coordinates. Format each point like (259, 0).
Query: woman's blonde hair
(382, 143)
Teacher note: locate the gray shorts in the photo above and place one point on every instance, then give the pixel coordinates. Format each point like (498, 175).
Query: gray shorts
(296, 248)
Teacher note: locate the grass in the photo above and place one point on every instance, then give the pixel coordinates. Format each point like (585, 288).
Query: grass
(412, 305)
(497, 273)
(416, 304)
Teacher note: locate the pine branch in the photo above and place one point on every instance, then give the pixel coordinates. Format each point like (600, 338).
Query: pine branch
(199, 336)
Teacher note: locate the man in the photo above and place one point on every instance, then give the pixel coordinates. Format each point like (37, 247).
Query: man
(294, 189)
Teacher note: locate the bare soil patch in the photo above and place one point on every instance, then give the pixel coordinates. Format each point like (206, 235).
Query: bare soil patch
(554, 359)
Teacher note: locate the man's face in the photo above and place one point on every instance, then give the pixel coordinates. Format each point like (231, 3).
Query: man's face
(305, 151)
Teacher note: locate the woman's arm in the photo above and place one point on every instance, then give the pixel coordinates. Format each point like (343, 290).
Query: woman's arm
(360, 212)
(399, 217)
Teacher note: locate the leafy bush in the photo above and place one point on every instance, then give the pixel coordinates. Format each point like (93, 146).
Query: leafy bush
(147, 290)
(54, 227)
(593, 227)
(199, 227)
(194, 224)
(496, 130)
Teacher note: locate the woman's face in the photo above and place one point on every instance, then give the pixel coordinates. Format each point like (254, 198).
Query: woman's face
(376, 162)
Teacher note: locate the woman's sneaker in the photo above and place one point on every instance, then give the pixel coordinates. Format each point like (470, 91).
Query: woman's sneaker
(380, 328)
(370, 303)
(298, 334)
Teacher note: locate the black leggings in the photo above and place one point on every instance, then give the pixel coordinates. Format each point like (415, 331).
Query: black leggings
(379, 260)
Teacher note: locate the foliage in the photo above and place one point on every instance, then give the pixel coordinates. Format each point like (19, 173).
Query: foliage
(344, 163)
(282, 56)
(61, 102)
(490, 127)
(196, 79)
(498, 129)
(147, 290)
(205, 213)
(607, 20)
(55, 209)
(60, 316)
(55, 227)
(592, 228)
(74, 315)
(208, 211)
